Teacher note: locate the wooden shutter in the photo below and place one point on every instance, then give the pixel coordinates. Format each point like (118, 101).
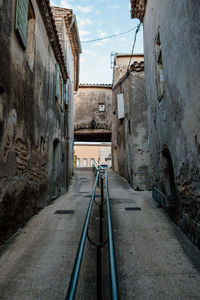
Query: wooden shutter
(57, 80)
(67, 93)
(21, 24)
(62, 96)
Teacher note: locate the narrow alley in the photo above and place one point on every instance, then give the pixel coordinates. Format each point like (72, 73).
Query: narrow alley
(109, 89)
(154, 258)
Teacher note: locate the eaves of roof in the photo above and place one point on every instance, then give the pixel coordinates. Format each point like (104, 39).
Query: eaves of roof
(138, 9)
(71, 26)
(136, 66)
(45, 9)
(97, 85)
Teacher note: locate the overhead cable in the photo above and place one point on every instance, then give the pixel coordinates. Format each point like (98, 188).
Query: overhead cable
(108, 37)
(134, 42)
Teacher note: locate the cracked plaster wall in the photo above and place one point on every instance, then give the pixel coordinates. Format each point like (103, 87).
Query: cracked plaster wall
(130, 156)
(175, 121)
(30, 120)
(87, 102)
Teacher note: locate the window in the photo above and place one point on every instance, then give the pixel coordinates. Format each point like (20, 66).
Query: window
(120, 106)
(21, 23)
(159, 69)
(30, 48)
(25, 28)
(67, 93)
(59, 85)
(78, 162)
(91, 161)
(102, 107)
(85, 162)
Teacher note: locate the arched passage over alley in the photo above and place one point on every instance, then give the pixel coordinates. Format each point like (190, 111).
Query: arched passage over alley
(93, 125)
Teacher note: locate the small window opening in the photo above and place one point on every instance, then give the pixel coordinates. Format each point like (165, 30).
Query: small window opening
(129, 126)
(102, 107)
(78, 162)
(91, 161)
(60, 91)
(159, 69)
(85, 162)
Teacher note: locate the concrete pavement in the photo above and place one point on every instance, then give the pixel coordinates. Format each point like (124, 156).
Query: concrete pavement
(154, 258)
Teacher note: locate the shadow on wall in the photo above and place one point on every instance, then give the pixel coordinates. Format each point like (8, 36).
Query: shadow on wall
(168, 186)
(57, 168)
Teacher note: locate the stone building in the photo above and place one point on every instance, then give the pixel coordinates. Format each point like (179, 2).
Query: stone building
(130, 156)
(121, 63)
(93, 121)
(172, 66)
(93, 110)
(66, 25)
(88, 152)
(33, 112)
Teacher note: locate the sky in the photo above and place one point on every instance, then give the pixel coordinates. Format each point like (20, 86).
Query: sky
(99, 19)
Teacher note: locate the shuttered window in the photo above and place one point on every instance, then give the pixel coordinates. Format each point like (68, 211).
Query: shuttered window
(57, 80)
(63, 92)
(21, 24)
(67, 93)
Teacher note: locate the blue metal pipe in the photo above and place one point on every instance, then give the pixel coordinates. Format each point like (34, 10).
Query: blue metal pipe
(113, 272)
(77, 264)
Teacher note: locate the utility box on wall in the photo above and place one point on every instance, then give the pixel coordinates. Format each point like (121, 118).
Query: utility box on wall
(120, 106)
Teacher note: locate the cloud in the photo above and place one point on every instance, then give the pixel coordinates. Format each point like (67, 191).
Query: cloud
(97, 12)
(67, 4)
(53, 3)
(83, 32)
(114, 6)
(84, 9)
(89, 52)
(103, 34)
(78, 8)
(84, 22)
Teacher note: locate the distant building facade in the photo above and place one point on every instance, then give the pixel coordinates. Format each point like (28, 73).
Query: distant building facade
(172, 48)
(87, 153)
(93, 111)
(33, 112)
(130, 156)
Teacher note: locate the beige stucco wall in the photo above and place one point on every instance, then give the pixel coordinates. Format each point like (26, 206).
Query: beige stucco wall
(92, 151)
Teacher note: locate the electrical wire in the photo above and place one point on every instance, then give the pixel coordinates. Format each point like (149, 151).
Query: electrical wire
(108, 37)
(134, 41)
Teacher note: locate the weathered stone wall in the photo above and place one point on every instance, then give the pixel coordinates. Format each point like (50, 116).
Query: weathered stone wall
(130, 156)
(174, 121)
(32, 124)
(70, 57)
(104, 154)
(87, 101)
(121, 64)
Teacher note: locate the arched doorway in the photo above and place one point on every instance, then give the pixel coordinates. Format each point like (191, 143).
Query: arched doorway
(168, 185)
(56, 167)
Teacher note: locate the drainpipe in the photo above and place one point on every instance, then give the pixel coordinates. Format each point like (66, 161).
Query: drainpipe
(72, 23)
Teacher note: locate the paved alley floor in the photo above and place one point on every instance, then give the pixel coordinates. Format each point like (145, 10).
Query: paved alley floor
(154, 258)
